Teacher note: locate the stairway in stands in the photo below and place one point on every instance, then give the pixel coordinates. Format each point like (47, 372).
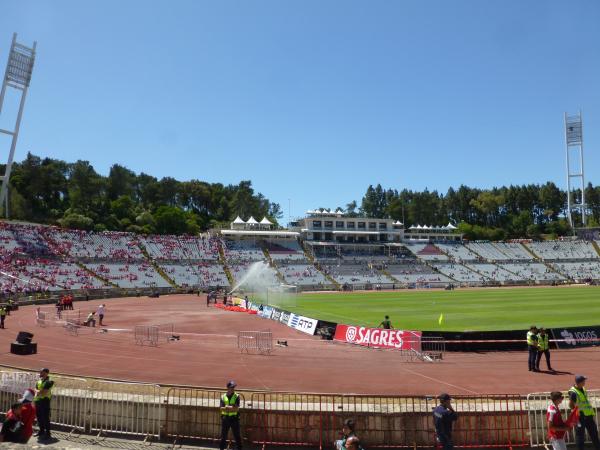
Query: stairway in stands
(159, 269)
(95, 275)
(311, 259)
(265, 250)
(224, 264)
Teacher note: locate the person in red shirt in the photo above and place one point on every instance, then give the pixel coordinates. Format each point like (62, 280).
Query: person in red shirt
(27, 414)
(557, 428)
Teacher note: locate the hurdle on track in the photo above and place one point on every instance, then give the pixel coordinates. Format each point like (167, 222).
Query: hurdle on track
(260, 341)
(146, 334)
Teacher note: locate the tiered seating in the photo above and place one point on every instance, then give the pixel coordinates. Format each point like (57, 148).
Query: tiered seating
(181, 248)
(513, 251)
(285, 250)
(196, 275)
(581, 271)
(15, 280)
(415, 272)
(458, 252)
(460, 273)
(356, 274)
(494, 272)
(131, 275)
(426, 251)
(242, 251)
(302, 274)
(532, 271)
(108, 245)
(59, 274)
(554, 250)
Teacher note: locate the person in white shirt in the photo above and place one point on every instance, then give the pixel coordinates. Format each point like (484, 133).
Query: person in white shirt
(100, 313)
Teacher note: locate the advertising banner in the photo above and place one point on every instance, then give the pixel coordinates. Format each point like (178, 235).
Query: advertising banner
(377, 337)
(276, 315)
(265, 312)
(304, 324)
(576, 337)
(285, 317)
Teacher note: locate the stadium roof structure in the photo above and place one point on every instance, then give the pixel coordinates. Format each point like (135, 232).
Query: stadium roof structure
(252, 221)
(238, 221)
(266, 221)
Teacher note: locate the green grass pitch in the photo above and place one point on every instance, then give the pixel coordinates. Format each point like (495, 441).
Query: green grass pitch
(466, 309)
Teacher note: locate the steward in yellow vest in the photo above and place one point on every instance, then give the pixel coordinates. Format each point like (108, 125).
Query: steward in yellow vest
(532, 347)
(230, 416)
(578, 396)
(43, 394)
(543, 343)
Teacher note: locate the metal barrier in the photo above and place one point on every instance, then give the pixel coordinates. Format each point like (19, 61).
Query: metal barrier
(260, 341)
(433, 348)
(144, 334)
(537, 405)
(165, 331)
(195, 414)
(288, 419)
(124, 408)
(71, 327)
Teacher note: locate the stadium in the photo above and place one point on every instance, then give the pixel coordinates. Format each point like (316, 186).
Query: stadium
(147, 298)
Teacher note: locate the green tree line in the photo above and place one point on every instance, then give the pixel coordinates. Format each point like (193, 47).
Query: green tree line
(74, 195)
(526, 211)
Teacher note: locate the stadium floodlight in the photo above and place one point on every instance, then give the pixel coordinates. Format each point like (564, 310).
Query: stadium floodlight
(17, 76)
(574, 161)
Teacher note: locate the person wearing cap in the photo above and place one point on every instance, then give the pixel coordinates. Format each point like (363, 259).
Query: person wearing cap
(12, 427)
(43, 394)
(230, 416)
(543, 349)
(557, 428)
(443, 418)
(578, 398)
(27, 414)
(532, 347)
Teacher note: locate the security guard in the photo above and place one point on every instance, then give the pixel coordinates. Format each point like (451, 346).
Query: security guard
(443, 418)
(2, 316)
(230, 416)
(578, 397)
(532, 347)
(43, 394)
(543, 348)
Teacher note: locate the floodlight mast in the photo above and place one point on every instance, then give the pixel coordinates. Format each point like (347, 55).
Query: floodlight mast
(17, 76)
(574, 162)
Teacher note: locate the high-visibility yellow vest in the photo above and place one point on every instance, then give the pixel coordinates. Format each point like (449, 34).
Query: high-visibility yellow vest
(530, 340)
(229, 401)
(584, 405)
(543, 342)
(2, 311)
(39, 385)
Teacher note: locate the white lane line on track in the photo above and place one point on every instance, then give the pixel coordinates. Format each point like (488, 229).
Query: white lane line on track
(440, 381)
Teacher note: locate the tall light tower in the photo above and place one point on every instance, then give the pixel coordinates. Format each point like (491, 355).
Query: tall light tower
(574, 160)
(17, 76)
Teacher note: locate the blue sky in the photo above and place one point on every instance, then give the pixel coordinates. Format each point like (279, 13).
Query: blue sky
(312, 100)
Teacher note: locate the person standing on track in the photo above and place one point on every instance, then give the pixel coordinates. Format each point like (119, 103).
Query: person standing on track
(230, 416)
(100, 313)
(578, 398)
(386, 324)
(532, 347)
(43, 394)
(543, 348)
(443, 418)
(2, 316)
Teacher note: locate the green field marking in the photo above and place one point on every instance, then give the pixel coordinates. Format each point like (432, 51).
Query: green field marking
(468, 309)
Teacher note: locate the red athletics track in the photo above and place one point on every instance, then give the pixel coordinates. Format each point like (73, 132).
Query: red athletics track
(207, 355)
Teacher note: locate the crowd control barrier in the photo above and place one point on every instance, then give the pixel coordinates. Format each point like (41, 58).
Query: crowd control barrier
(287, 419)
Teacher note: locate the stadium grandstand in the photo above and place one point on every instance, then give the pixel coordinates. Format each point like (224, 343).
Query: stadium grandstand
(326, 250)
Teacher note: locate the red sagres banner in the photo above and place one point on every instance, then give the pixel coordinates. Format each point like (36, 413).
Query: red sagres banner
(378, 337)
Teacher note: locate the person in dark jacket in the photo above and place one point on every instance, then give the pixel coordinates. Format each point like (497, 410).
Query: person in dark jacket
(443, 418)
(12, 427)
